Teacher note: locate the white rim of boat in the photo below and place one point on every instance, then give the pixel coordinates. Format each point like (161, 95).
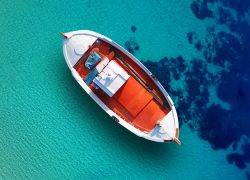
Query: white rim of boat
(100, 103)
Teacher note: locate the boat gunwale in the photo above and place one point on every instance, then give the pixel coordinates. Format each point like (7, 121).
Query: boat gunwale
(100, 103)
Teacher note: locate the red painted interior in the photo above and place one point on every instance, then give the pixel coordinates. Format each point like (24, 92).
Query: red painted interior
(132, 101)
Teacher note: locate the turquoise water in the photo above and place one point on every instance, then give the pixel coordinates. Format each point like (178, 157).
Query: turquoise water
(47, 128)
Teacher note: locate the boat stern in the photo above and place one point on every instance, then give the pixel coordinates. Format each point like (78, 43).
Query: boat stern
(166, 129)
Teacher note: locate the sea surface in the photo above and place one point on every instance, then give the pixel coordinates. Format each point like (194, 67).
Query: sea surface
(198, 49)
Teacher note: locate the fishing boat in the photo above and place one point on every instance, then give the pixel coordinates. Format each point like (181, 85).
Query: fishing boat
(121, 85)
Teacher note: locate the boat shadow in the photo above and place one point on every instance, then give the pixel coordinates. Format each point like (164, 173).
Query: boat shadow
(120, 136)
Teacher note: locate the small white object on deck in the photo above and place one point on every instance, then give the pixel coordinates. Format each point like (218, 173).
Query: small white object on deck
(111, 79)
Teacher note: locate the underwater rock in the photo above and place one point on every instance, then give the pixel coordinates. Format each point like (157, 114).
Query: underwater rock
(230, 51)
(241, 7)
(240, 159)
(220, 48)
(190, 37)
(132, 46)
(180, 64)
(248, 175)
(225, 16)
(235, 91)
(198, 45)
(217, 127)
(200, 9)
(133, 28)
(237, 159)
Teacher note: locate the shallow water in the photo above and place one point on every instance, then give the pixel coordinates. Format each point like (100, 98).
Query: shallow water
(199, 51)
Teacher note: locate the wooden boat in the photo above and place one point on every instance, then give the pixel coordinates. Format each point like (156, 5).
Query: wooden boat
(121, 85)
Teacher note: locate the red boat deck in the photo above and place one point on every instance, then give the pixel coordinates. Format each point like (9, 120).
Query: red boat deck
(132, 102)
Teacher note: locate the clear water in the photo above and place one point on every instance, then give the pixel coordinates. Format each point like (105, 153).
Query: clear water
(49, 131)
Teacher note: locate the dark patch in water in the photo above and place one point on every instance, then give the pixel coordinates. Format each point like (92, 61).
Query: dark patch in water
(240, 159)
(248, 175)
(200, 9)
(190, 37)
(220, 127)
(132, 46)
(225, 16)
(198, 45)
(133, 28)
(136, 48)
(241, 7)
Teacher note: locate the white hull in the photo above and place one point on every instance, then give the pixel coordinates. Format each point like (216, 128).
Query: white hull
(72, 53)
